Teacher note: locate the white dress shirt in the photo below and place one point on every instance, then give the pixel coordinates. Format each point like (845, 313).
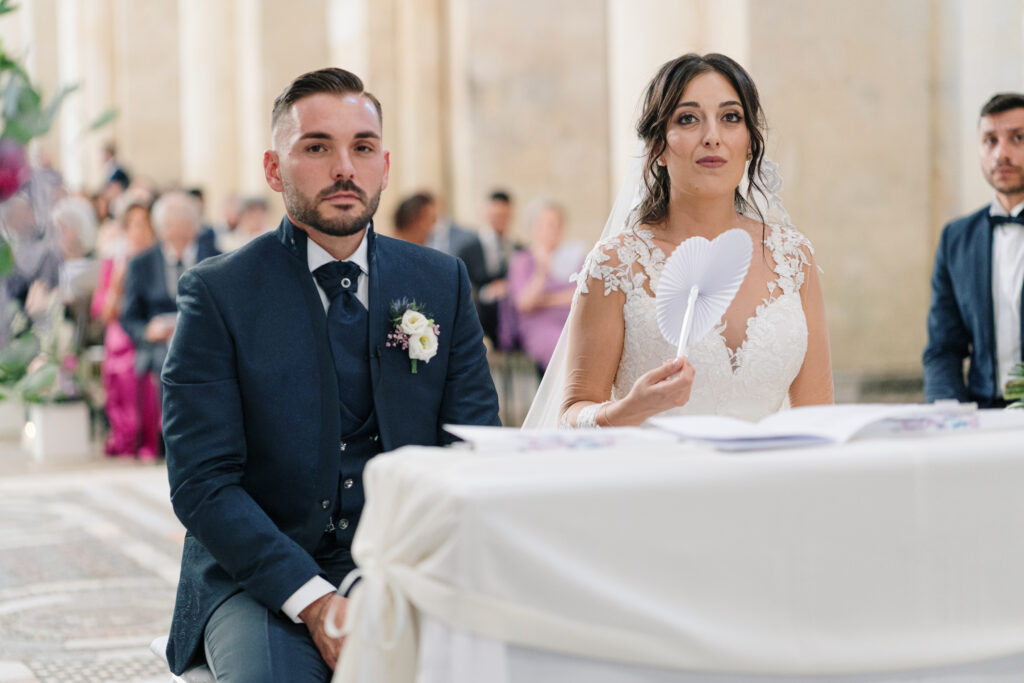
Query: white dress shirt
(1007, 281)
(188, 259)
(317, 256)
(492, 246)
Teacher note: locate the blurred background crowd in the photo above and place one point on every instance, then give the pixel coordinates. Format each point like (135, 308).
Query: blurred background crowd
(510, 129)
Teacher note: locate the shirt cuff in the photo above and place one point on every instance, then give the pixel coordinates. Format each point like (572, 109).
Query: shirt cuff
(315, 588)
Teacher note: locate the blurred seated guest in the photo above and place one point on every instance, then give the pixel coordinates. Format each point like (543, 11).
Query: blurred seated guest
(149, 313)
(132, 405)
(36, 257)
(498, 247)
(75, 221)
(459, 242)
(539, 283)
(252, 222)
(113, 170)
(207, 237)
(415, 218)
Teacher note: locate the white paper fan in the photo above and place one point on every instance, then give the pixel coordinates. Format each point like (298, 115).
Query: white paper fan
(698, 283)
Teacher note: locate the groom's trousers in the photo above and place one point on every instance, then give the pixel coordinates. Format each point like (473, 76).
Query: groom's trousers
(247, 643)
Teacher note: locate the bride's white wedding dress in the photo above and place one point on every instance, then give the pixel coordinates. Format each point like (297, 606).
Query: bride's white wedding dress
(751, 382)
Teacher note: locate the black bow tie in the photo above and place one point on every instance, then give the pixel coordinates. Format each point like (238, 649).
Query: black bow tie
(999, 220)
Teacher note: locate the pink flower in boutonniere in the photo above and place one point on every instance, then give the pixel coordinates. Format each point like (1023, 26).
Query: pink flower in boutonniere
(414, 332)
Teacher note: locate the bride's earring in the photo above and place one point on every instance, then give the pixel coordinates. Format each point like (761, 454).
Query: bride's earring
(661, 162)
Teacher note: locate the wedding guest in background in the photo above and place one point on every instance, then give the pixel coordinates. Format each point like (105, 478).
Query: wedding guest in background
(113, 171)
(498, 247)
(415, 218)
(461, 243)
(207, 237)
(132, 405)
(75, 221)
(979, 273)
(149, 312)
(252, 222)
(539, 283)
(36, 257)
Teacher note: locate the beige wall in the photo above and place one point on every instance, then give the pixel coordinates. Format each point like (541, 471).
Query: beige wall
(872, 107)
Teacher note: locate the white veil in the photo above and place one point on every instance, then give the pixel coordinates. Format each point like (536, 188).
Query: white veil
(767, 207)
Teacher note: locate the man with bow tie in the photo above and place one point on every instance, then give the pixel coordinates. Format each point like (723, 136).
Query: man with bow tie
(287, 372)
(979, 273)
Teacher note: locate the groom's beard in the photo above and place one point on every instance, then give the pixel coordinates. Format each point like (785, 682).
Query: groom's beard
(306, 210)
(1012, 185)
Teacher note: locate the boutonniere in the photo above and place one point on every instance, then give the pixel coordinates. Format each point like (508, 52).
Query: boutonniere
(414, 332)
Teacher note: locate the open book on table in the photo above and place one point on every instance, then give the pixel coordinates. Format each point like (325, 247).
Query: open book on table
(815, 425)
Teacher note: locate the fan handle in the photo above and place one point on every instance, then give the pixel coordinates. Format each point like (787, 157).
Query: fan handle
(684, 334)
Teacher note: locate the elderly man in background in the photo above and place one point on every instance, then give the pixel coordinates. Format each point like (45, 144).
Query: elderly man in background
(149, 311)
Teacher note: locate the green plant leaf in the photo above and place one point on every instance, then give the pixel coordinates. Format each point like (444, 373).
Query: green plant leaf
(6, 6)
(104, 118)
(6, 258)
(37, 387)
(51, 109)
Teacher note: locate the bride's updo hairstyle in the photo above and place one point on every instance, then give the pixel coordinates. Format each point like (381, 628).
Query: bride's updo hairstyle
(663, 95)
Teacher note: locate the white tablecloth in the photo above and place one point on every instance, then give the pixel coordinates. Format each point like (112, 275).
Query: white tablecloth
(876, 556)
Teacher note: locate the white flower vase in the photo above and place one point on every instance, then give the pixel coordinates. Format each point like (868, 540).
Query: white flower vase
(57, 431)
(12, 418)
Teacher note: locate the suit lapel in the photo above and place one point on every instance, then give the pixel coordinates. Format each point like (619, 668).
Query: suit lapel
(986, 314)
(378, 324)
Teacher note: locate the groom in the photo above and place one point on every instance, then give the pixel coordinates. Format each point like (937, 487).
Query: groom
(283, 380)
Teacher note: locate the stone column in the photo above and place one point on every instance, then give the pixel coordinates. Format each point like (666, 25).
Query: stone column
(38, 23)
(86, 49)
(535, 123)
(149, 90)
(209, 126)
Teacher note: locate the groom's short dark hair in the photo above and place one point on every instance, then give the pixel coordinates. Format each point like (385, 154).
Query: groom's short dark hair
(1004, 101)
(331, 80)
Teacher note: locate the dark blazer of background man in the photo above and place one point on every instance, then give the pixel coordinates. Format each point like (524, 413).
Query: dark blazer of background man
(979, 273)
(151, 282)
(264, 423)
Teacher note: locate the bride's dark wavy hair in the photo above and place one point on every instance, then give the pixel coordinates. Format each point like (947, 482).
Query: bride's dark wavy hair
(660, 102)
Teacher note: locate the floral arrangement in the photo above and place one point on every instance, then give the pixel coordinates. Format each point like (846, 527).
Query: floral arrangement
(414, 332)
(55, 374)
(1014, 390)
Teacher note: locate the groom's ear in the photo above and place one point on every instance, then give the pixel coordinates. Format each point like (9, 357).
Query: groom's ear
(272, 170)
(387, 169)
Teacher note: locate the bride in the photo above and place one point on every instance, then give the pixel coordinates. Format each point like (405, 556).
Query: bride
(701, 124)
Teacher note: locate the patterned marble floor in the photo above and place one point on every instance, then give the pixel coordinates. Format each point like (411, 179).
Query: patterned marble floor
(89, 558)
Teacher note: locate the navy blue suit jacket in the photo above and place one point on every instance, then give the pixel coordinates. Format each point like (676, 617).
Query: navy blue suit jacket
(961, 322)
(251, 414)
(145, 297)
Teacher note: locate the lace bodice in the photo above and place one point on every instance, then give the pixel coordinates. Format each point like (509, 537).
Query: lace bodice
(750, 383)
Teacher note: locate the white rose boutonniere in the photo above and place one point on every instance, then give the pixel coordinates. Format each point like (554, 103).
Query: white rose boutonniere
(414, 332)
(414, 322)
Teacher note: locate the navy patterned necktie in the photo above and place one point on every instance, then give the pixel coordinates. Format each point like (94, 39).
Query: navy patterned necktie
(999, 220)
(347, 323)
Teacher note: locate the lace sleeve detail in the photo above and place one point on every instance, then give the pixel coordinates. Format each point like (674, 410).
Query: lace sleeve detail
(791, 252)
(620, 262)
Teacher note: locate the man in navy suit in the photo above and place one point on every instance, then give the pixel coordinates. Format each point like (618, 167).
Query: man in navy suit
(979, 273)
(284, 378)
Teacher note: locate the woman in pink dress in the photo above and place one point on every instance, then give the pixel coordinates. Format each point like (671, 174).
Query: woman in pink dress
(131, 407)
